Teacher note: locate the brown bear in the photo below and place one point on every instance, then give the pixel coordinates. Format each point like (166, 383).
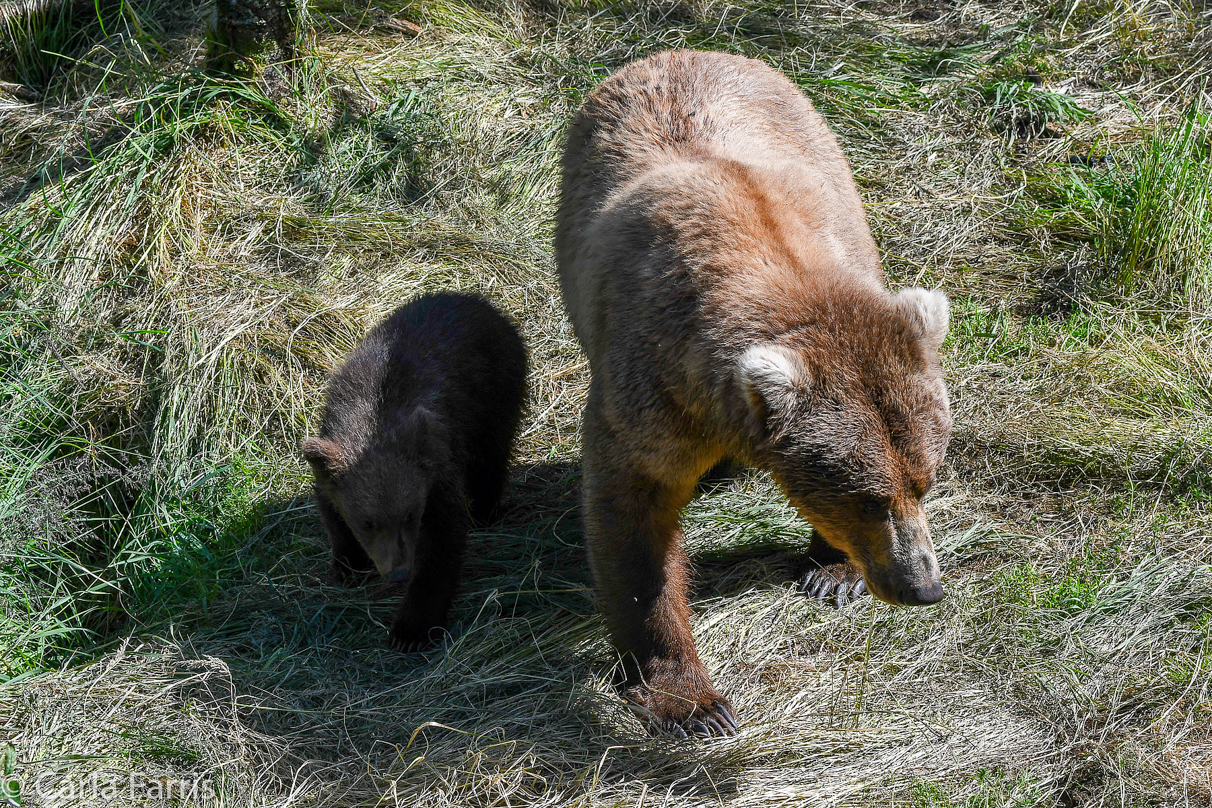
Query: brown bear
(414, 445)
(719, 272)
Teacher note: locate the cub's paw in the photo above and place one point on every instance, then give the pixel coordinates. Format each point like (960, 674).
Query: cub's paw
(407, 637)
(841, 583)
(703, 714)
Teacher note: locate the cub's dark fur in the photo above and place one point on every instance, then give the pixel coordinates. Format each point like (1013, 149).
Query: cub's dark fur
(414, 444)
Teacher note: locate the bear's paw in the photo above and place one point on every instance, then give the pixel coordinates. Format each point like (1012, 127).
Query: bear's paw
(841, 583)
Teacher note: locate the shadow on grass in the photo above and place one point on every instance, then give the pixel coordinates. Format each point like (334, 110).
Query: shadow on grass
(520, 682)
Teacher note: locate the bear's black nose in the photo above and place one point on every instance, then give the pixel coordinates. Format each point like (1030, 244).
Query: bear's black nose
(922, 595)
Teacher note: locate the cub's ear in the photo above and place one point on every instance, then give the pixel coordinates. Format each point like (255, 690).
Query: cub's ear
(772, 377)
(325, 456)
(928, 311)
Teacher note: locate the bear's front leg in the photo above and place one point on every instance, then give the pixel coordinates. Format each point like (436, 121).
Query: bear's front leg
(438, 563)
(640, 570)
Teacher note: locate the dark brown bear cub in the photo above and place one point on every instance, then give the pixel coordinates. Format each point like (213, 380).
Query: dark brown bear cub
(414, 445)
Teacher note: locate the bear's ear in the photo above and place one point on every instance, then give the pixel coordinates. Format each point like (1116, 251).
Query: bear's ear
(771, 377)
(325, 456)
(928, 311)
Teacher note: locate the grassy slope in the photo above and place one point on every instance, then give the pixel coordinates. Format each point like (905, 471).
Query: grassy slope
(186, 258)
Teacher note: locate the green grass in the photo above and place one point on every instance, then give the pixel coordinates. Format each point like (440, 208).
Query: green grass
(185, 257)
(1020, 109)
(1147, 213)
(105, 513)
(1158, 231)
(991, 787)
(37, 42)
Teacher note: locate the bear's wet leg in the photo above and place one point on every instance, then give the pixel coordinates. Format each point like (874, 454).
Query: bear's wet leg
(349, 561)
(631, 524)
(827, 574)
(435, 578)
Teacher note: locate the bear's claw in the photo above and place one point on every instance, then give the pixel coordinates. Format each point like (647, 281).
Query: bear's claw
(409, 640)
(713, 719)
(410, 647)
(719, 721)
(841, 583)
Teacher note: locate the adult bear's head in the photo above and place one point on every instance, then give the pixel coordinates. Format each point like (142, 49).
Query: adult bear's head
(850, 413)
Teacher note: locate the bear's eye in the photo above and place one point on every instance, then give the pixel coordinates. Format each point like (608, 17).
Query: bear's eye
(368, 525)
(874, 506)
(920, 491)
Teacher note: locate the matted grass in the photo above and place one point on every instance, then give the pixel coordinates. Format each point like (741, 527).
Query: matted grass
(185, 258)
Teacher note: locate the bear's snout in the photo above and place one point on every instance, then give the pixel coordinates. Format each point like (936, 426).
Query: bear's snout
(917, 578)
(901, 589)
(922, 595)
(392, 556)
(906, 571)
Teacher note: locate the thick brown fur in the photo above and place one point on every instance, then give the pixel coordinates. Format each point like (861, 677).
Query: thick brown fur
(414, 445)
(719, 272)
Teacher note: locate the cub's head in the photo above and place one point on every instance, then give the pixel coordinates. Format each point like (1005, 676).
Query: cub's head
(852, 417)
(381, 491)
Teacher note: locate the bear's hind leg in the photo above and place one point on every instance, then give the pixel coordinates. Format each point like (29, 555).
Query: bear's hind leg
(631, 525)
(492, 442)
(349, 561)
(828, 574)
(435, 577)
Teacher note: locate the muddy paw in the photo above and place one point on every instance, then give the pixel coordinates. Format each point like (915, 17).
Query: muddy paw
(706, 714)
(841, 583)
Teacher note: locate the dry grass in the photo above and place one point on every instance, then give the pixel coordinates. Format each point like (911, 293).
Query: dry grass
(186, 257)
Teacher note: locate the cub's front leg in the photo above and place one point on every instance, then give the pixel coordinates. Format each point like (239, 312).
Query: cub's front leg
(438, 562)
(640, 570)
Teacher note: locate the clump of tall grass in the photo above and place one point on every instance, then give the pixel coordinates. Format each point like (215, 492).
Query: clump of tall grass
(1021, 110)
(40, 38)
(34, 36)
(1147, 213)
(110, 499)
(1156, 217)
